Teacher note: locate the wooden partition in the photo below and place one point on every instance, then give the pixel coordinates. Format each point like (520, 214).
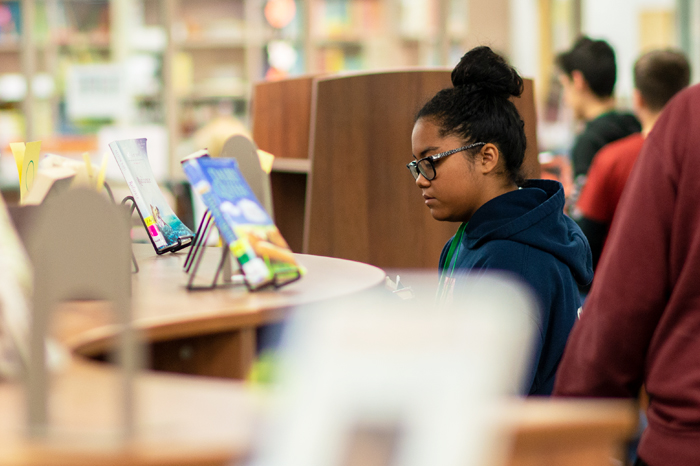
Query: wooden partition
(281, 120)
(351, 187)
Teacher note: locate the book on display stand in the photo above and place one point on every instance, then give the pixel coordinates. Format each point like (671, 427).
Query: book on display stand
(263, 256)
(165, 230)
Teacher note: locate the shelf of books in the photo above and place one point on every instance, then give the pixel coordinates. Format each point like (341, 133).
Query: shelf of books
(181, 73)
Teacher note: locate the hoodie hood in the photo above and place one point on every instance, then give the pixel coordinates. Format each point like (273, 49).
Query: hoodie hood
(533, 216)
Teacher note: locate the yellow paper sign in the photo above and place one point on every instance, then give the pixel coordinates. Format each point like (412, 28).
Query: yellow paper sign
(101, 174)
(266, 160)
(30, 166)
(27, 160)
(88, 164)
(18, 153)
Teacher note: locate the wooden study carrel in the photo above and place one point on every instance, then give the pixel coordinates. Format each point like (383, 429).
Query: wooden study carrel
(339, 182)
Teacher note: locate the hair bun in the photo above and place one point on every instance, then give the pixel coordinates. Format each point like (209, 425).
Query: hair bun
(483, 70)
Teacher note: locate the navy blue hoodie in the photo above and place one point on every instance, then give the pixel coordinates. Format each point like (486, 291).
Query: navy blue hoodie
(525, 232)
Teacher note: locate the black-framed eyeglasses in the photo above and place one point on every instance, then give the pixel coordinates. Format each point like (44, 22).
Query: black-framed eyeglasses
(426, 165)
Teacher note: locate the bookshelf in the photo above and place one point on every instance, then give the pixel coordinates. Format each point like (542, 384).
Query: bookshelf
(215, 50)
(205, 56)
(52, 37)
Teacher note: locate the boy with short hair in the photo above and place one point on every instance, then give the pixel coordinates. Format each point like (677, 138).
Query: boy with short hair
(658, 76)
(588, 74)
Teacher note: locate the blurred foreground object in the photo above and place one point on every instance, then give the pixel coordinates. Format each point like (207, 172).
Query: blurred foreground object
(80, 249)
(377, 381)
(15, 291)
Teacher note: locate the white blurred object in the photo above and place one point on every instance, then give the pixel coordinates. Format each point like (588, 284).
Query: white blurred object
(142, 75)
(58, 161)
(13, 87)
(43, 86)
(149, 39)
(376, 381)
(281, 55)
(97, 91)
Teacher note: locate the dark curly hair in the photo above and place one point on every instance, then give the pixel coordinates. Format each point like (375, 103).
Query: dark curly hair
(478, 108)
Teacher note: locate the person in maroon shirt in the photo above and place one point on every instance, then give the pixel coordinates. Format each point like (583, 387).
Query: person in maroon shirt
(641, 322)
(658, 76)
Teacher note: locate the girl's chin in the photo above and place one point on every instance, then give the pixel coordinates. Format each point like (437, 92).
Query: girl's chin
(445, 216)
(440, 216)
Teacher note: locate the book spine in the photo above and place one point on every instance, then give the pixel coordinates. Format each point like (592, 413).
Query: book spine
(136, 193)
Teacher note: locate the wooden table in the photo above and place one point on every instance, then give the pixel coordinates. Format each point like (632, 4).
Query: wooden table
(189, 420)
(213, 332)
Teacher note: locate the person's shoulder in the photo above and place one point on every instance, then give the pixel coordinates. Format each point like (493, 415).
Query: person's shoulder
(616, 115)
(678, 112)
(522, 259)
(613, 151)
(617, 118)
(499, 254)
(535, 266)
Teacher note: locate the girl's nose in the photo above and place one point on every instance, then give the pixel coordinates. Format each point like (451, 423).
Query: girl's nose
(422, 182)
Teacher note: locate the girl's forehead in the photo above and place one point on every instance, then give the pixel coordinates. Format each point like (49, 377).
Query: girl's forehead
(426, 127)
(427, 132)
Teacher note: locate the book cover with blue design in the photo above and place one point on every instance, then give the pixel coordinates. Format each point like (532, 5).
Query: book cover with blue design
(253, 238)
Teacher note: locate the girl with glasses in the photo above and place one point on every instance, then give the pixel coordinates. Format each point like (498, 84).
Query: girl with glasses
(468, 143)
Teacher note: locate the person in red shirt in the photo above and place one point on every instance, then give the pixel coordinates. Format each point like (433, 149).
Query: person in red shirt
(658, 76)
(641, 322)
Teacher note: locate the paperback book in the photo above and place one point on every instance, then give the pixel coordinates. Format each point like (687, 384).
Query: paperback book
(165, 229)
(262, 253)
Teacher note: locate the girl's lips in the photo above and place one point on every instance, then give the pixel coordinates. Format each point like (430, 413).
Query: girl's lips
(428, 199)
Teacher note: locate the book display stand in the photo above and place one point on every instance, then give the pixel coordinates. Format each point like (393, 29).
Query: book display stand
(198, 239)
(165, 230)
(175, 247)
(194, 258)
(246, 228)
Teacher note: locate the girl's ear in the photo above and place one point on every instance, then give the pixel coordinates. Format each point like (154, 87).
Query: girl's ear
(489, 159)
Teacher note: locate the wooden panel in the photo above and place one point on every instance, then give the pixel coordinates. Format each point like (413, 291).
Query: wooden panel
(280, 119)
(526, 107)
(226, 354)
(576, 432)
(362, 204)
(281, 114)
(288, 192)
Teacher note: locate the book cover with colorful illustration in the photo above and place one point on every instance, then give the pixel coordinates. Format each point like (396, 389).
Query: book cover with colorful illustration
(166, 230)
(255, 241)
